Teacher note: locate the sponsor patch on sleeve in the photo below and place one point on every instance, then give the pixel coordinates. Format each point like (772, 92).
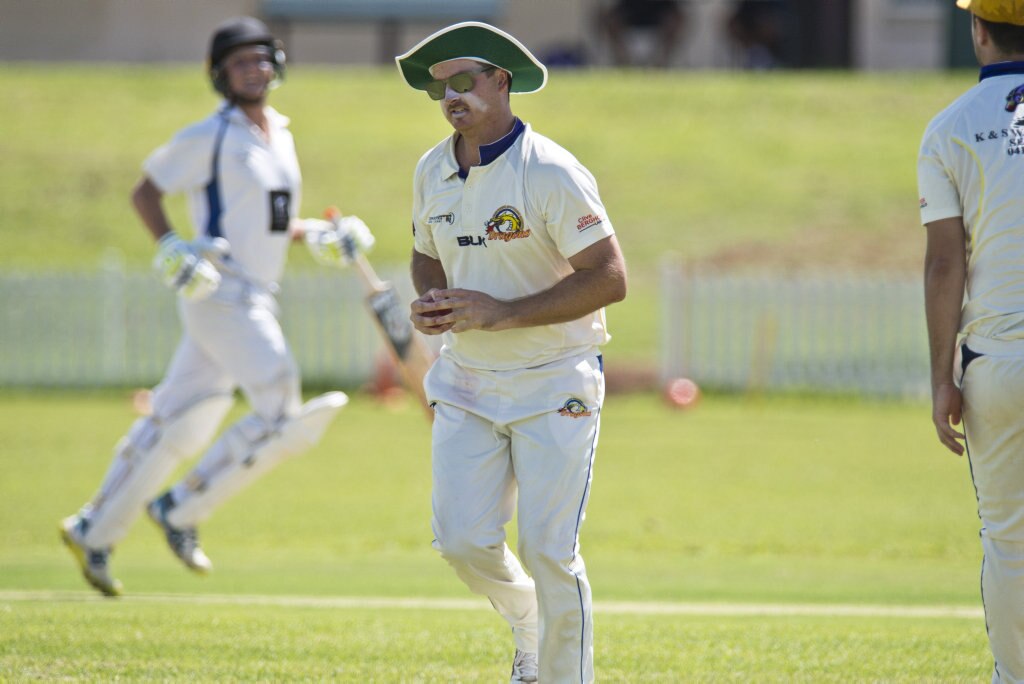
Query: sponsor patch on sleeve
(585, 222)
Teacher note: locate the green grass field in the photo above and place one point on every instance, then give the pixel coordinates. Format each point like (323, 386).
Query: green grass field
(785, 502)
(734, 542)
(142, 639)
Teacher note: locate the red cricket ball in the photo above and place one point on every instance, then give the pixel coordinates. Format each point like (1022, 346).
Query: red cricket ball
(682, 393)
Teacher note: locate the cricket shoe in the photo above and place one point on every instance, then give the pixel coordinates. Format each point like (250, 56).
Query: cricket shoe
(524, 667)
(184, 542)
(93, 562)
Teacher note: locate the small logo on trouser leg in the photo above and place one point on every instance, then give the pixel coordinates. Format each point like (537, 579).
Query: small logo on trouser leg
(574, 408)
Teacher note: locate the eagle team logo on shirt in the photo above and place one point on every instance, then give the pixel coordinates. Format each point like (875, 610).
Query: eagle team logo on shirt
(506, 224)
(574, 408)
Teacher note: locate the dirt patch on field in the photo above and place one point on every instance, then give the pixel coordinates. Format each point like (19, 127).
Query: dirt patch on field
(816, 250)
(622, 377)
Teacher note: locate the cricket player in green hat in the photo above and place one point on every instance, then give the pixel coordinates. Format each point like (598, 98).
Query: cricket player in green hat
(515, 258)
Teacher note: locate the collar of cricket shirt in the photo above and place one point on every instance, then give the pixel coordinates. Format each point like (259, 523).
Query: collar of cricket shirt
(492, 151)
(1001, 69)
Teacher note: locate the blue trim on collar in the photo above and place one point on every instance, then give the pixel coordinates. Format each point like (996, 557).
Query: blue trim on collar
(492, 151)
(1001, 69)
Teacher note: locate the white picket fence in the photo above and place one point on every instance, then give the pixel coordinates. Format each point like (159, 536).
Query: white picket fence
(854, 334)
(837, 333)
(120, 329)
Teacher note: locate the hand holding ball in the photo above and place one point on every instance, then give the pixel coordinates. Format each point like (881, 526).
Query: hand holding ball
(436, 313)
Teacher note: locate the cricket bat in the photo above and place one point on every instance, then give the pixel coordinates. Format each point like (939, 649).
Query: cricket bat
(410, 354)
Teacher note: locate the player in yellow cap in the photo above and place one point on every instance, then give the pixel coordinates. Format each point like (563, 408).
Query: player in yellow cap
(514, 257)
(971, 178)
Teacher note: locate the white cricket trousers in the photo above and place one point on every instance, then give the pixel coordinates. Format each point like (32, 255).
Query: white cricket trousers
(993, 414)
(231, 339)
(528, 435)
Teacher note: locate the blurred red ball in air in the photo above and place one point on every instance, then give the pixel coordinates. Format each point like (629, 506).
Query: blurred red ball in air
(682, 393)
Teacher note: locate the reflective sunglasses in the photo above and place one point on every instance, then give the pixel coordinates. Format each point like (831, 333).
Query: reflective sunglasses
(460, 83)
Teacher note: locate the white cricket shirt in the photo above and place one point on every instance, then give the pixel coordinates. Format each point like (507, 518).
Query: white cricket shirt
(971, 165)
(256, 185)
(508, 230)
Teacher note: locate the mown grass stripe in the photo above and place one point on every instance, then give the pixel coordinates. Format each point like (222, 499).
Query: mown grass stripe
(601, 607)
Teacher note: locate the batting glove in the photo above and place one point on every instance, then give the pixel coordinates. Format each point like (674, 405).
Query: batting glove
(182, 268)
(336, 243)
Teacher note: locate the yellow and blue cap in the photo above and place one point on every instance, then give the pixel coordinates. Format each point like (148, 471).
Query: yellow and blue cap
(998, 11)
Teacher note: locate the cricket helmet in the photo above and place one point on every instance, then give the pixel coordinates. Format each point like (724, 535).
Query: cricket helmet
(242, 32)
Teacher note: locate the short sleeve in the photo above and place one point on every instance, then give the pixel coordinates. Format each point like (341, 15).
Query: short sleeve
(572, 208)
(181, 164)
(939, 195)
(423, 235)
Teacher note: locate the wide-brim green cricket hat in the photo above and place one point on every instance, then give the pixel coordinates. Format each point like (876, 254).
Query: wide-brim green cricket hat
(998, 11)
(477, 41)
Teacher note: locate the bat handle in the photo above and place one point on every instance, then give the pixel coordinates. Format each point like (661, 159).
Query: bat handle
(367, 271)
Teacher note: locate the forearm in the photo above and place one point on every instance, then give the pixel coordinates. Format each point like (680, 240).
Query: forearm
(147, 200)
(598, 279)
(427, 273)
(576, 295)
(944, 280)
(297, 229)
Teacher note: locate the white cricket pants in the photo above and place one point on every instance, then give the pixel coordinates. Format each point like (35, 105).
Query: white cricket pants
(993, 415)
(533, 432)
(232, 339)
